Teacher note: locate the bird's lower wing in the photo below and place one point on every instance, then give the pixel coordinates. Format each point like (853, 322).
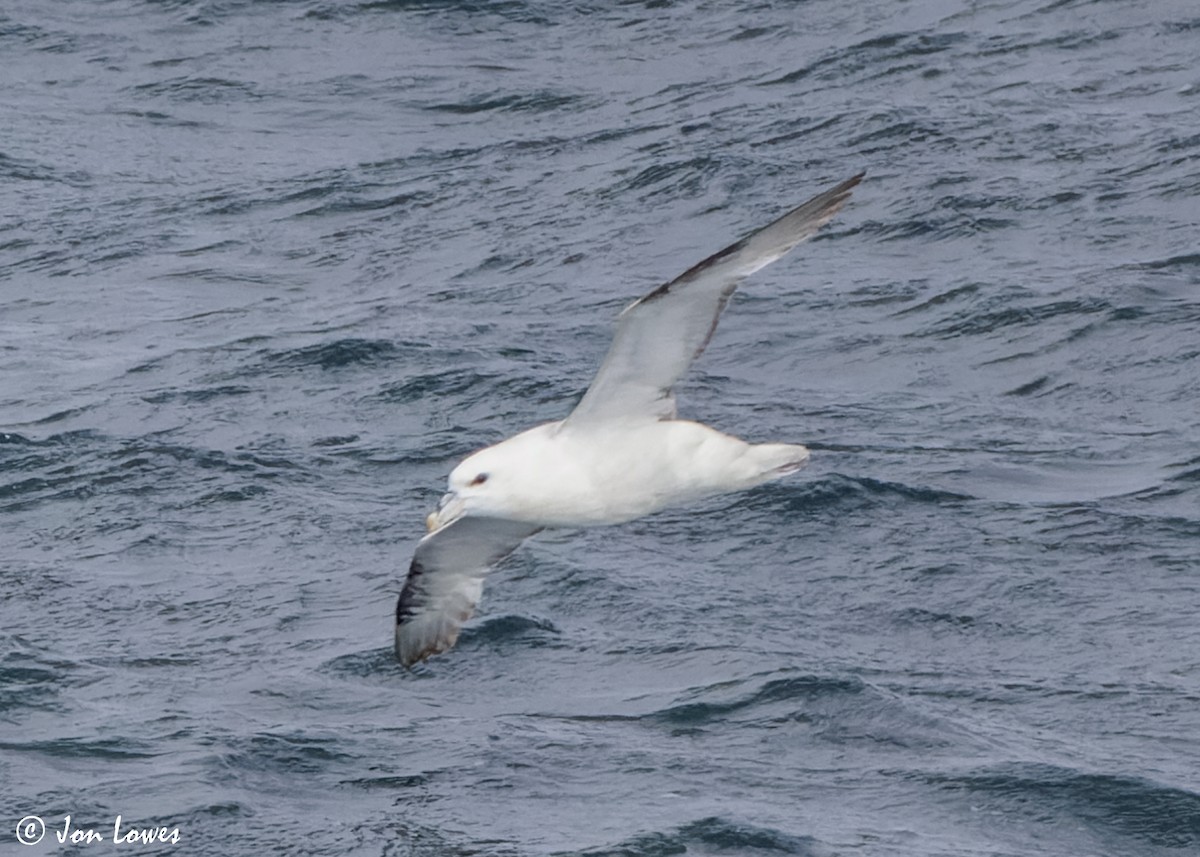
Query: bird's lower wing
(445, 581)
(660, 335)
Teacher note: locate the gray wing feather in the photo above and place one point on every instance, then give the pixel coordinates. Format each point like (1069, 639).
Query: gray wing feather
(659, 335)
(445, 581)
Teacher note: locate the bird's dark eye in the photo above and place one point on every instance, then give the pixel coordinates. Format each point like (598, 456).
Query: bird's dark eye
(480, 479)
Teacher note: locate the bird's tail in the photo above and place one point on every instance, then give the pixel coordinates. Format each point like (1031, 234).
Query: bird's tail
(779, 459)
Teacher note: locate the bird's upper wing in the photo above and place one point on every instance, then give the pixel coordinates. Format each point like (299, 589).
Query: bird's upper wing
(659, 335)
(445, 581)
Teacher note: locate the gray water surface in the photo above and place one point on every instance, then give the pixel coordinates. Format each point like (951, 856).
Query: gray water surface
(269, 269)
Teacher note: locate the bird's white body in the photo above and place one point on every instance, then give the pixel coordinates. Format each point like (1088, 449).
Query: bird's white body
(557, 475)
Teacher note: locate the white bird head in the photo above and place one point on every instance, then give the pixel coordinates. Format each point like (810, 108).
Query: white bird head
(477, 486)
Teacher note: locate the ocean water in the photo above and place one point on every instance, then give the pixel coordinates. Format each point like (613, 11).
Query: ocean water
(269, 269)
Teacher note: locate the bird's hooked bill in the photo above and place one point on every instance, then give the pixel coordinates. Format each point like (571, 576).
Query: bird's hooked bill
(449, 509)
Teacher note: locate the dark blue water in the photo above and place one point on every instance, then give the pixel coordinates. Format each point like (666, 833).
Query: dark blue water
(269, 269)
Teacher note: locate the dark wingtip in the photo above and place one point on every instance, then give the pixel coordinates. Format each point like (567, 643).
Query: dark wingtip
(849, 183)
(405, 611)
(834, 198)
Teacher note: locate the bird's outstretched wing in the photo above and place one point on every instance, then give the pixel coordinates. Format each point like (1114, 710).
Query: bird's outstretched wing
(445, 581)
(659, 335)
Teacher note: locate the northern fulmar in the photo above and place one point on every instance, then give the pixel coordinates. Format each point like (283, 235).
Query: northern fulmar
(619, 455)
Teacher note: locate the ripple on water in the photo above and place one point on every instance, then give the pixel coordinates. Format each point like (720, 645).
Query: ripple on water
(712, 835)
(1133, 810)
